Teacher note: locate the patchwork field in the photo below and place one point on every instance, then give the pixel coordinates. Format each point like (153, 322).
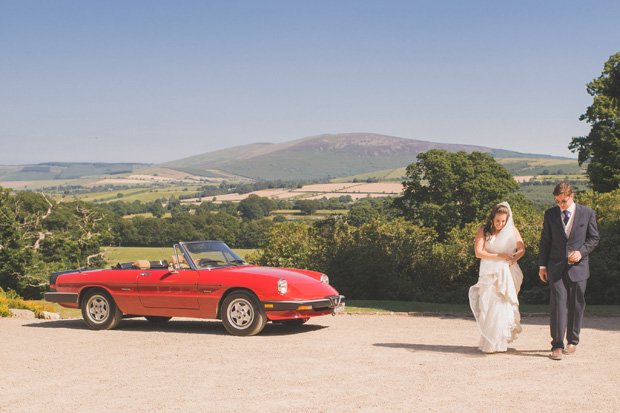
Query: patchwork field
(357, 190)
(157, 183)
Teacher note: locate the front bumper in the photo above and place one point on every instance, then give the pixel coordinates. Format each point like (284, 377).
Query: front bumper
(335, 302)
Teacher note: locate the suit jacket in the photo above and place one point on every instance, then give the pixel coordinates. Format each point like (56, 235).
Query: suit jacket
(554, 245)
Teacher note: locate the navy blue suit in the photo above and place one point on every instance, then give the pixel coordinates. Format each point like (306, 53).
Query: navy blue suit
(567, 281)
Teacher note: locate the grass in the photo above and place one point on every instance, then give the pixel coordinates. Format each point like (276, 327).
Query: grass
(64, 312)
(363, 306)
(386, 175)
(381, 306)
(143, 194)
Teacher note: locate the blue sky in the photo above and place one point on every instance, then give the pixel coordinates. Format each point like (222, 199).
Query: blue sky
(151, 81)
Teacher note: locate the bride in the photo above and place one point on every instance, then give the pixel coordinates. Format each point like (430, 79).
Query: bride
(493, 299)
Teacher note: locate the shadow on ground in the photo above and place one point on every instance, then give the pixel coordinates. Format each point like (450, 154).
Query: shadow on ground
(468, 351)
(179, 327)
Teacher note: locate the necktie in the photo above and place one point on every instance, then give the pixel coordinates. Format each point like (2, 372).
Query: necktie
(566, 216)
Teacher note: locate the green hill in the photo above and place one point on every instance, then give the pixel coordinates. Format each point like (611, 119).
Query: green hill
(65, 170)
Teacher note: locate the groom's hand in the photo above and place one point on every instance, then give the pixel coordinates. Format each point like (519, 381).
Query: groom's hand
(576, 256)
(542, 273)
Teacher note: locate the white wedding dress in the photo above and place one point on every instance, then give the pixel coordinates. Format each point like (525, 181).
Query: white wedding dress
(493, 299)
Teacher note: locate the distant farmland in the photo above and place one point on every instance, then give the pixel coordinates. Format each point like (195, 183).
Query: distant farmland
(356, 191)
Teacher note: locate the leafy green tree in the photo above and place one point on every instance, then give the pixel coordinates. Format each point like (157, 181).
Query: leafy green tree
(289, 244)
(39, 236)
(447, 190)
(602, 145)
(15, 257)
(361, 213)
(251, 210)
(604, 284)
(254, 207)
(308, 206)
(157, 209)
(252, 233)
(173, 203)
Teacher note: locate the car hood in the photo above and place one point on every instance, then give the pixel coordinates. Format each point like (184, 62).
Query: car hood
(291, 275)
(302, 284)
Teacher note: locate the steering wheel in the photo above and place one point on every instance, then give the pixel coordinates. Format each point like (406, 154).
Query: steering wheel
(204, 262)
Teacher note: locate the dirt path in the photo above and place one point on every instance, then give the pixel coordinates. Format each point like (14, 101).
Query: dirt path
(345, 363)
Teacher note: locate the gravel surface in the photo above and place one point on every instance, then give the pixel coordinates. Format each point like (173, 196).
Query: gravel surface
(344, 363)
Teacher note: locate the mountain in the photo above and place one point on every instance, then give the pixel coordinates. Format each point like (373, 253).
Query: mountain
(321, 156)
(334, 156)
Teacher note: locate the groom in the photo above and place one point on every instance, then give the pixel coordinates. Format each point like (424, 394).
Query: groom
(568, 236)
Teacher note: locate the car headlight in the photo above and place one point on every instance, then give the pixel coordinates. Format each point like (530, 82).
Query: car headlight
(282, 286)
(324, 278)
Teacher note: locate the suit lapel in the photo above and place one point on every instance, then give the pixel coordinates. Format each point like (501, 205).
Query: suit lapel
(576, 218)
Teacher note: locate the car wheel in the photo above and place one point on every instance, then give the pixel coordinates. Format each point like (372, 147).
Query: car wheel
(157, 319)
(293, 321)
(99, 310)
(242, 316)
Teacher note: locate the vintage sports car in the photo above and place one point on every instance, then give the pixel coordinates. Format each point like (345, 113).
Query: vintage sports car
(203, 279)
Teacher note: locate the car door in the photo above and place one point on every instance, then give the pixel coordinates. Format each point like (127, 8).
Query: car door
(168, 289)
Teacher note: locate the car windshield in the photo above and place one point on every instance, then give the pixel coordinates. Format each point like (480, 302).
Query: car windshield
(208, 254)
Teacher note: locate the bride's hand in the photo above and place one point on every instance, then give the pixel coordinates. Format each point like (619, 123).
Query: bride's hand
(506, 257)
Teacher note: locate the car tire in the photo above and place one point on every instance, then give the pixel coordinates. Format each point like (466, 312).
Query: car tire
(293, 321)
(99, 310)
(242, 316)
(157, 319)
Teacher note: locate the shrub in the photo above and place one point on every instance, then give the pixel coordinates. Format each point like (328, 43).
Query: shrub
(9, 299)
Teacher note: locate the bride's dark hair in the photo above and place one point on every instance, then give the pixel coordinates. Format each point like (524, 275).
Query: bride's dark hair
(489, 227)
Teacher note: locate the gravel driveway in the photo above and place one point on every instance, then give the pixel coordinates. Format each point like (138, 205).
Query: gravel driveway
(344, 363)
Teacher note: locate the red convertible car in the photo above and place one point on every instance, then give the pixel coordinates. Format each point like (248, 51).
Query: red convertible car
(203, 279)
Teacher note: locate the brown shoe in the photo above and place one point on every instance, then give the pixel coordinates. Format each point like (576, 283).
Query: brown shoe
(570, 349)
(556, 354)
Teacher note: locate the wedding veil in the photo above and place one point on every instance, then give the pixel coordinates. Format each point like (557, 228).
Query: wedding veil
(506, 241)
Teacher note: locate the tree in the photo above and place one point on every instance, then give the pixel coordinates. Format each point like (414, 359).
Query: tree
(308, 206)
(448, 190)
(362, 213)
(14, 256)
(602, 145)
(604, 285)
(253, 233)
(157, 209)
(252, 208)
(39, 236)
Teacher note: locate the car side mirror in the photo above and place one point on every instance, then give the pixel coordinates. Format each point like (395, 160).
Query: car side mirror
(172, 269)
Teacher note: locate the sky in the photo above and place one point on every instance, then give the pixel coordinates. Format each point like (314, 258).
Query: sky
(154, 81)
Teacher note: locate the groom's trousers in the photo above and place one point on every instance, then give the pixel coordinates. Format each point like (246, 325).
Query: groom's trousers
(566, 308)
